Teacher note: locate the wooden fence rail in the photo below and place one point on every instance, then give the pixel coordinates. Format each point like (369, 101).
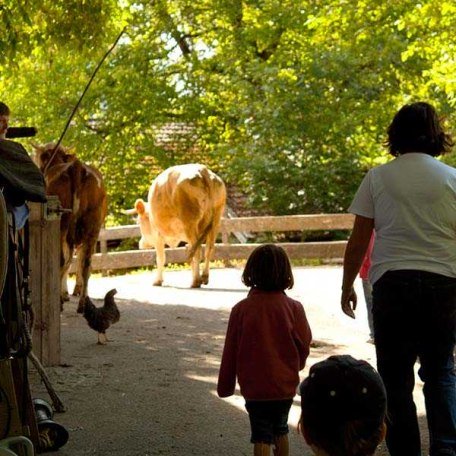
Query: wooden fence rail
(226, 251)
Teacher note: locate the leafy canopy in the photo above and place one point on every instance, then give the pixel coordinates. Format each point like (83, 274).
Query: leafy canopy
(288, 99)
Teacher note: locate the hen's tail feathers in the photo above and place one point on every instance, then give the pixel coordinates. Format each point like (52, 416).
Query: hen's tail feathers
(109, 297)
(111, 306)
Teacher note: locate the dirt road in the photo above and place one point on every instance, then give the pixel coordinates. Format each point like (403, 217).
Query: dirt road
(151, 391)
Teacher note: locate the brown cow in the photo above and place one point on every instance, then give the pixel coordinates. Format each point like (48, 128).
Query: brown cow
(80, 188)
(185, 203)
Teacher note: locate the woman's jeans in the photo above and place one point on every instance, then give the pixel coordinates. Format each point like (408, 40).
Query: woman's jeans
(414, 317)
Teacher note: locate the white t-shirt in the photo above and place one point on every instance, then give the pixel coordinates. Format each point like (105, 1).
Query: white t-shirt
(412, 200)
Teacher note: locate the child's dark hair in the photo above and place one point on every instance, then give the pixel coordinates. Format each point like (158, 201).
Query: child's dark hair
(4, 110)
(268, 268)
(417, 128)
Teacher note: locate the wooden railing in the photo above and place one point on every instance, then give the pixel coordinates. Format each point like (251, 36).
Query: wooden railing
(226, 251)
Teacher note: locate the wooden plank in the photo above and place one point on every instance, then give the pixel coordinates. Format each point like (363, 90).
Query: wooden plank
(298, 250)
(241, 237)
(130, 259)
(103, 251)
(50, 267)
(144, 258)
(310, 222)
(289, 223)
(35, 275)
(45, 282)
(119, 232)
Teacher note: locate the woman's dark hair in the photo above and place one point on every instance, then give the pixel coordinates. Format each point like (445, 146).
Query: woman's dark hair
(268, 268)
(417, 128)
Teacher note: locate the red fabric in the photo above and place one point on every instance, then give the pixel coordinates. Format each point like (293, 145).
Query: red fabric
(267, 344)
(365, 267)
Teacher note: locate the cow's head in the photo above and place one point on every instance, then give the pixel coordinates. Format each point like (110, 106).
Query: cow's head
(147, 240)
(44, 152)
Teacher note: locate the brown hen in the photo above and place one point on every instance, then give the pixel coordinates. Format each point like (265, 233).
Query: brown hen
(101, 318)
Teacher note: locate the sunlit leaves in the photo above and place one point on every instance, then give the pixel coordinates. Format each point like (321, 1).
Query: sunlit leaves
(290, 99)
(80, 24)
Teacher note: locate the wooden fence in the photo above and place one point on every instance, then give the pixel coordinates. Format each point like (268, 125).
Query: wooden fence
(226, 251)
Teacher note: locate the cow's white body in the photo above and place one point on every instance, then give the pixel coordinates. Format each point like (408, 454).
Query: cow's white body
(185, 203)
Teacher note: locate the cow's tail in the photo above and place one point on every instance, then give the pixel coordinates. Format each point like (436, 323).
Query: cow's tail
(200, 240)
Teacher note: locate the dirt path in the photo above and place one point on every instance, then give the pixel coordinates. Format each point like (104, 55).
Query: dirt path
(151, 391)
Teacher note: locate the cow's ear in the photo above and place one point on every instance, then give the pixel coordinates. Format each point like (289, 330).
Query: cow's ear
(69, 158)
(140, 206)
(68, 153)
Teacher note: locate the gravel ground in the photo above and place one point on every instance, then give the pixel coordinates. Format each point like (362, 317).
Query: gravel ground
(151, 390)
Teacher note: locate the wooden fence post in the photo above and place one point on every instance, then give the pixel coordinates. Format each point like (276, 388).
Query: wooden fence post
(45, 279)
(104, 254)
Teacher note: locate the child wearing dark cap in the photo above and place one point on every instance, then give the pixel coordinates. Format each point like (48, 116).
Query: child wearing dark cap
(343, 403)
(267, 344)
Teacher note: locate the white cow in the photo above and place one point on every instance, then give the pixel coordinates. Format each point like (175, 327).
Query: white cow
(185, 203)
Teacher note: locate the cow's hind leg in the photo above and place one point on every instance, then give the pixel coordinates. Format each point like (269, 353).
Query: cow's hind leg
(212, 231)
(191, 232)
(210, 243)
(65, 263)
(64, 295)
(160, 260)
(195, 264)
(78, 284)
(196, 260)
(208, 251)
(84, 262)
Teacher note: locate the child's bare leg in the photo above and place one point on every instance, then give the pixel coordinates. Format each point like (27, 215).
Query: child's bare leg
(261, 449)
(281, 447)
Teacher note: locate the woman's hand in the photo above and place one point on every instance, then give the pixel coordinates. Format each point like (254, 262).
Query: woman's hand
(353, 258)
(348, 302)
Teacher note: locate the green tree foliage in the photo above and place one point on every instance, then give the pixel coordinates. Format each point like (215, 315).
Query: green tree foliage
(288, 99)
(28, 25)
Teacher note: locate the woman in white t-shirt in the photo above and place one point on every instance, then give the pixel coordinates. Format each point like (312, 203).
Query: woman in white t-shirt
(411, 204)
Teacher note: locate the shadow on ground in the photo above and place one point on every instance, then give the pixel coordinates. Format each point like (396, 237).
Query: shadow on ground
(151, 390)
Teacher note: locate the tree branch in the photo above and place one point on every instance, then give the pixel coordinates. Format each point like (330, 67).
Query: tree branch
(180, 38)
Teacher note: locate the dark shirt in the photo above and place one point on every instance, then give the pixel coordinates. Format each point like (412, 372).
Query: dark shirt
(267, 344)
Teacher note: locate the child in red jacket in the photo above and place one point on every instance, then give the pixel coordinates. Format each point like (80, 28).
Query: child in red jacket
(267, 344)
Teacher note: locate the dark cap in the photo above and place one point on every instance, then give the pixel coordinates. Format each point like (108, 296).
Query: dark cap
(342, 388)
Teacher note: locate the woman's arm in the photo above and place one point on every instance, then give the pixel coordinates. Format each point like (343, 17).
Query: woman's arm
(353, 258)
